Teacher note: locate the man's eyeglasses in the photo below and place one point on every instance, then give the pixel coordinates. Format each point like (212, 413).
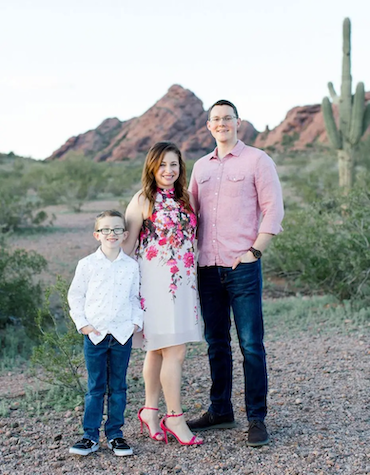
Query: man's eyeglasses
(107, 231)
(227, 119)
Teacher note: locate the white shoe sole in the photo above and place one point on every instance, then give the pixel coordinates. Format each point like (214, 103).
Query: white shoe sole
(74, 451)
(120, 453)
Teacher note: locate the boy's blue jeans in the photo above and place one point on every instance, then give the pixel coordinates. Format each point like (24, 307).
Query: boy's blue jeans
(241, 288)
(106, 365)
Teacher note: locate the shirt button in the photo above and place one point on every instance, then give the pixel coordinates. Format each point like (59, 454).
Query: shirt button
(213, 225)
(218, 178)
(214, 209)
(216, 193)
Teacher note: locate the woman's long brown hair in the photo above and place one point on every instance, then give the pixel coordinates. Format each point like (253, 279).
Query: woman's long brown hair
(152, 163)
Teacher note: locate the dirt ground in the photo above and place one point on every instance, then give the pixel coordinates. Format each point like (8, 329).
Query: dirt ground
(319, 400)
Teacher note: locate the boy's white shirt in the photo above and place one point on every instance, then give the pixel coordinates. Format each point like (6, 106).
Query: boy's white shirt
(105, 294)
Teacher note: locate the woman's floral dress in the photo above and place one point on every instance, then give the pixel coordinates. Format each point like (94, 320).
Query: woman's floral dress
(168, 286)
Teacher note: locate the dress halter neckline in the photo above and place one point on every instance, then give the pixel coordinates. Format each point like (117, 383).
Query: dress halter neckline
(166, 192)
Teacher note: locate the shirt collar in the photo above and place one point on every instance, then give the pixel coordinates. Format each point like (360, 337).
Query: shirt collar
(100, 255)
(236, 151)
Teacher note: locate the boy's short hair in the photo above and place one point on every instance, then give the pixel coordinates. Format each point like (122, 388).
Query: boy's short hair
(112, 213)
(223, 102)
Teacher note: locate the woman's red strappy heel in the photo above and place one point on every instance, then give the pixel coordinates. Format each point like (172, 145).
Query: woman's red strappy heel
(158, 436)
(193, 441)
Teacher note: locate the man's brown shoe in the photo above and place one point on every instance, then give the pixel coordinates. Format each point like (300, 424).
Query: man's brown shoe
(212, 421)
(257, 434)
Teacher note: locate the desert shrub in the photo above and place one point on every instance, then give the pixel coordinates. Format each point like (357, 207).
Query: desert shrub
(326, 247)
(18, 208)
(289, 139)
(20, 295)
(60, 351)
(119, 178)
(72, 182)
(315, 184)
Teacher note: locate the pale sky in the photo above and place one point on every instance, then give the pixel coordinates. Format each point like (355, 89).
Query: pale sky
(66, 65)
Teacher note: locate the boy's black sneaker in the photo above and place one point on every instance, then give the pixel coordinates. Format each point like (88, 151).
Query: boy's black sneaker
(257, 434)
(84, 447)
(212, 421)
(120, 447)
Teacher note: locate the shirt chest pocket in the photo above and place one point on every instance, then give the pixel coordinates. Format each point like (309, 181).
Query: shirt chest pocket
(205, 185)
(233, 185)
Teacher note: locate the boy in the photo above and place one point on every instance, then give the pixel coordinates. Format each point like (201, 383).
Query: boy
(105, 307)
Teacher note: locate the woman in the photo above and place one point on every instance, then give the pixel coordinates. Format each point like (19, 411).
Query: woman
(160, 216)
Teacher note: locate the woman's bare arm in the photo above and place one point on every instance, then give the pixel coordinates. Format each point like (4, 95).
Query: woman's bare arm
(136, 212)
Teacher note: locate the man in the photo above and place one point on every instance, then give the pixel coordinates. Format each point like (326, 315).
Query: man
(240, 208)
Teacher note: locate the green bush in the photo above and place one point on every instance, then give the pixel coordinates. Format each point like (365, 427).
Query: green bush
(72, 182)
(326, 247)
(20, 296)
(15, 346)
(288, 140)
(60, 352)
(18, 207)
(120, 178)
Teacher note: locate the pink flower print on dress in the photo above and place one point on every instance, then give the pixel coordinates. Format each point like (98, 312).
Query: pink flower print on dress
(193, 220)
(173, 286)
(162, 242)
(174, 216)
(188, 259)
(171, 262)
(151, 252)
(174, 269)
(142, 303)
(167, 221)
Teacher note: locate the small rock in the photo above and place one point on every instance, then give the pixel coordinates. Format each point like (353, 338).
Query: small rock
(58, 437)
(53, 446)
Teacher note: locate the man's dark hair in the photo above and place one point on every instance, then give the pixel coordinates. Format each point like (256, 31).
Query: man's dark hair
(223, 102)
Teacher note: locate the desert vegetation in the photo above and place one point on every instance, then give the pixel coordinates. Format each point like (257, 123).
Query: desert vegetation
(324, 250)
(316, 271)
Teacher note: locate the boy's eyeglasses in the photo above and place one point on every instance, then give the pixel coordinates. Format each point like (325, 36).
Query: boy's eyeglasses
(227, 118)
(107, 231)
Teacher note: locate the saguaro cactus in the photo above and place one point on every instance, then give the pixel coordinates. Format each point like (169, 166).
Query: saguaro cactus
(354, 115)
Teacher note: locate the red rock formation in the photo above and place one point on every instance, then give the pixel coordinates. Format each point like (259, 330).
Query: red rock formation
(302, 125)
(178, 116)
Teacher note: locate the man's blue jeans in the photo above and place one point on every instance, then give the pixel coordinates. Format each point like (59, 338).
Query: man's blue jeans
(106, 365)
(241, 288)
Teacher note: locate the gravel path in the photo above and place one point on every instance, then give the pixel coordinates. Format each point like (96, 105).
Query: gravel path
(319, 398)
(319, 419)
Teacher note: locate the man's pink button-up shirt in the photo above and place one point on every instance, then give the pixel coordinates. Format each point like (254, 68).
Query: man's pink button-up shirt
(237, 197)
